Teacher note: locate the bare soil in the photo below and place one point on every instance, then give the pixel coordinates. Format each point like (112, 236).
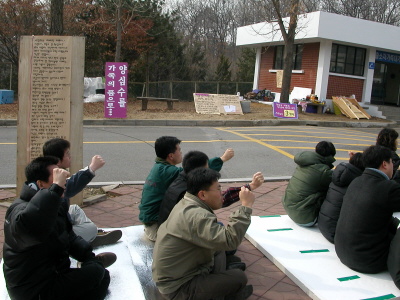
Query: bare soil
(185, 110)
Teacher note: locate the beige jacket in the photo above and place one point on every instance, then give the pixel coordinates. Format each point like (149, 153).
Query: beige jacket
(187, 241)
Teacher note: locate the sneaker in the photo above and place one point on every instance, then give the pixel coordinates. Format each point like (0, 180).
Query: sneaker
(106, 258)
(236, 265)
(232, 258)
(106, 238)
(243, 294)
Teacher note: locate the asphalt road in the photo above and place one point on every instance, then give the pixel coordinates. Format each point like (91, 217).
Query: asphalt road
(129, 151)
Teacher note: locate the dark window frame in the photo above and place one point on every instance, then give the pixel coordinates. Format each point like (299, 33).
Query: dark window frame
(347, 60)
(297, 57)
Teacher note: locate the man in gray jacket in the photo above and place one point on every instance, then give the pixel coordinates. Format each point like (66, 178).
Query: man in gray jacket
(188, 258)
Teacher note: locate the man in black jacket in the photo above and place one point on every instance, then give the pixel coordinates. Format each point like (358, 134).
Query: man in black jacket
(366, 226)
(39, 240)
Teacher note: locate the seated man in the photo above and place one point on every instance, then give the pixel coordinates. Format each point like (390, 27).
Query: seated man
(82, 225)
(309, 184)
(342, 176)
(366, 226)
(185, 263)
(163, 173)
(38, 240)
(177, 189)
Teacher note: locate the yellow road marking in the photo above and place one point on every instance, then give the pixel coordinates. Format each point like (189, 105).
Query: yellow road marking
(314, 137)
(304, 131)
(259, 142)
(312, 148)
(312, 142)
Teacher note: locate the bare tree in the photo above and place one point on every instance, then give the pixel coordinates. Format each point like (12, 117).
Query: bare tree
(382, 11)
(56, 17)
(212, 25)
(288, 34)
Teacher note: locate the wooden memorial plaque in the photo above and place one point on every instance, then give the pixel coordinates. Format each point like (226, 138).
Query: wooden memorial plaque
(50, 97)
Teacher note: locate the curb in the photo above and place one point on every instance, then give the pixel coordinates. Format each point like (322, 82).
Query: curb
(225, 123)
(101, 184)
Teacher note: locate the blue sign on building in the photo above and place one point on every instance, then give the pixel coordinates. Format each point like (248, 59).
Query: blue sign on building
(387, 57)
(371, 65)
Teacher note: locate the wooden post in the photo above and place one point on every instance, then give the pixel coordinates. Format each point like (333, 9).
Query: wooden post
(50, 98)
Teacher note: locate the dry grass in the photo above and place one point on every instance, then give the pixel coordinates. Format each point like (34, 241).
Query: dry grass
(183, 110)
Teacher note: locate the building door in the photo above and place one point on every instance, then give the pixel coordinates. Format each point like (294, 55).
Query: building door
(392, 84)
(378, 86)
(386, 83)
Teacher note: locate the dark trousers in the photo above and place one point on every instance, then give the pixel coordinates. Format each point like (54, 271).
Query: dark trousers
(216, 285)
(90, 282)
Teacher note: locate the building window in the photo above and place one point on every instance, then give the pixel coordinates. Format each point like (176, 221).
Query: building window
(297, 57)
(347, 60)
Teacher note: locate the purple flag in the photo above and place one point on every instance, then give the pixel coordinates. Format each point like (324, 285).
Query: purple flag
(116, 91)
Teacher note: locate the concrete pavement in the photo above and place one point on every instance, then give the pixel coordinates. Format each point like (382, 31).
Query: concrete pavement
(121, 205)
(120, 209)
(227, 123)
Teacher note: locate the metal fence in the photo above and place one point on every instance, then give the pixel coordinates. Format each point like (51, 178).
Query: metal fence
(184, 90)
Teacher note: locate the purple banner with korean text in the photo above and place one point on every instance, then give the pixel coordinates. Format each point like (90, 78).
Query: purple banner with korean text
(285, 110)
(116, 90)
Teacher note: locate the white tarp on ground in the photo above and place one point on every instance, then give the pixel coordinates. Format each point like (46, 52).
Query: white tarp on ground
(130, 274)
(307, 258)
(91, 84)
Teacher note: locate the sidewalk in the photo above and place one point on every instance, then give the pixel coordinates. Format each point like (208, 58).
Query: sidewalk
(227, 123)
(121, 209)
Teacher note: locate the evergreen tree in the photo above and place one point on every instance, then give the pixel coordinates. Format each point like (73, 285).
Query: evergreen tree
(196, 60)
(245, 65)
(164, 58)
(223, 72)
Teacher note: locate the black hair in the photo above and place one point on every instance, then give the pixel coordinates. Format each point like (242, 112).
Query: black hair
(193, 160)
(325, 148)
(56, 147)
(37, 169)
(201, 179)
(387, 137)
(357, 161)
(165, 145)
(374, 156)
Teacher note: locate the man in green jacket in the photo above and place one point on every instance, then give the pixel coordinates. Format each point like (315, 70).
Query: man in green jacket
(164, 171)
(309, 184)
(188, 257)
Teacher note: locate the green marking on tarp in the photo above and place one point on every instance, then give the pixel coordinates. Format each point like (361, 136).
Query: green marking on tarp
(314, 251)
(348, 278)
(389, 296)
(272, 216)
(279, 229)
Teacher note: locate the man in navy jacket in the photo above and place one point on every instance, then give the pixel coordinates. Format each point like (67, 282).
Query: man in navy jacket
(81, 224)
(38, 240)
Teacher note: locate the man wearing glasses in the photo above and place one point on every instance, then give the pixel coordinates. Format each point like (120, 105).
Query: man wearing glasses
(189, 260)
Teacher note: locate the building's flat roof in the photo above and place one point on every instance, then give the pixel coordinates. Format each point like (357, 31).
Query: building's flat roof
(321, 25)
